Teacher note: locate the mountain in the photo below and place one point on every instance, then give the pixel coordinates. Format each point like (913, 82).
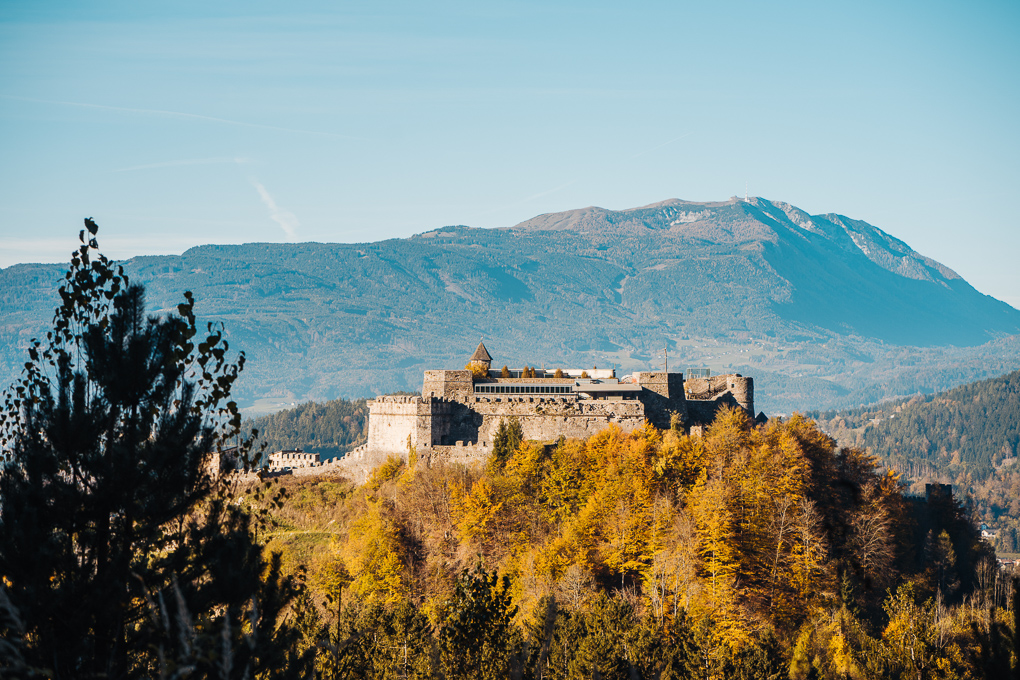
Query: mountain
(823, 310)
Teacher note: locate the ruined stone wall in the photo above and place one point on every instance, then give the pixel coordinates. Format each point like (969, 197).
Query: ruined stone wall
(542, 419)
(547, 418)
(740, 389)
(663, 395)
(446, 421)
(462, 453)
(293, 459)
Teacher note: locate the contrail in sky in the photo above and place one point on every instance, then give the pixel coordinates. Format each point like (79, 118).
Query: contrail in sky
(285, 218)
(546, 193)
(179, 114)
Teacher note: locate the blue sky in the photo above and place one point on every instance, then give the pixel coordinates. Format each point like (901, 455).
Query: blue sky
(187, 123)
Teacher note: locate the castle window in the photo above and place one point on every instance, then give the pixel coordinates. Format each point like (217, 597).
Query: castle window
(522, 389)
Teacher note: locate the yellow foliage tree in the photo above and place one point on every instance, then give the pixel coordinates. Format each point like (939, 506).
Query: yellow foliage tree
(678, 462)
(385, 472)
(474, 510)
(372, 554)
(478, 370)
(628, 541)
(711, 503)
(670, 580)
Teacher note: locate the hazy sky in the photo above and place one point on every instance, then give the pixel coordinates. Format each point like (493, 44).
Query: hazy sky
(177, 124)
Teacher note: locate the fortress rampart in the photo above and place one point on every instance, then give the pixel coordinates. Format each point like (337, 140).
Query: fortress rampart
(459, 411)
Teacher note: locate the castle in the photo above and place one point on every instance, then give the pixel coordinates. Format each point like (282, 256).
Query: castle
(458, 412)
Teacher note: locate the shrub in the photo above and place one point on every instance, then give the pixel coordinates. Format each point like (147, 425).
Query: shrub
(478, 370)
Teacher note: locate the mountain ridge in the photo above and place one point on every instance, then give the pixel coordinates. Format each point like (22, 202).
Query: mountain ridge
(827, 306)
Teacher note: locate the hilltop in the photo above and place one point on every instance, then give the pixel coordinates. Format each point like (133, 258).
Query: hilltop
(746, 552)
(823, 310)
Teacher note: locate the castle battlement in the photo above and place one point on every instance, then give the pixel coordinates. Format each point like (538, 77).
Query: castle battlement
(459, 411)
(399, 399)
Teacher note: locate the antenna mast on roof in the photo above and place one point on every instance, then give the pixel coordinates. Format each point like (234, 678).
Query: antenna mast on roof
(665, 358)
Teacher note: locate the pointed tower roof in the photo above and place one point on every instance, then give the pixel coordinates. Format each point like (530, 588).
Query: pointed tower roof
(481, 354)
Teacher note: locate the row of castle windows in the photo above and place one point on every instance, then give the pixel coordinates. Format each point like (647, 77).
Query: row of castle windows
(523, 389)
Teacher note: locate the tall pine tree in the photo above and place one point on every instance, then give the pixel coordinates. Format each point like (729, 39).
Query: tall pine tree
(120, 550)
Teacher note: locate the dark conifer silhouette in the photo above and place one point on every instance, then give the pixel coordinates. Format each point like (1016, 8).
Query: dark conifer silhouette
(509, 436)
(120, 550)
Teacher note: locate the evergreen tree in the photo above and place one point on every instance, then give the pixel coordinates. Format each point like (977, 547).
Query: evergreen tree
(941, 559)
(478, 637)
(121, 553)
(509, 436)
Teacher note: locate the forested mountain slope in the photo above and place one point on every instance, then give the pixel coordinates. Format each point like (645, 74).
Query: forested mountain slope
(973, 428)
(822, 310)
(329, 429)
(968, 436)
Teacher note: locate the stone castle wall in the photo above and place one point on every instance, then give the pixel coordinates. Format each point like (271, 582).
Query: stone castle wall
(450, 422)
(295, 459)
(739, 388)
(392, 420)
(663, 396)
(546, 419)
(457, 385)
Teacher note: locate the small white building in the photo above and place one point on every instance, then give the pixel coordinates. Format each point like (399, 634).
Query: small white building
(292, 459)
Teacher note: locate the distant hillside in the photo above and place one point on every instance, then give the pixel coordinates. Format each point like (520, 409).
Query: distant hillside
(968, 436)
(972, 429)
(823, 310)
(330, 429)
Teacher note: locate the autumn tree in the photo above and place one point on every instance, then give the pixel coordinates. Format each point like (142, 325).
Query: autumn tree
(478, 370)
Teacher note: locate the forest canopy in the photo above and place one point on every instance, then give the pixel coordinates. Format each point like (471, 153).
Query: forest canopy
(749, 551)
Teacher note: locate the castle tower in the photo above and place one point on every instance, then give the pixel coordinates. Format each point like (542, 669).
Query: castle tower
(481, 356)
